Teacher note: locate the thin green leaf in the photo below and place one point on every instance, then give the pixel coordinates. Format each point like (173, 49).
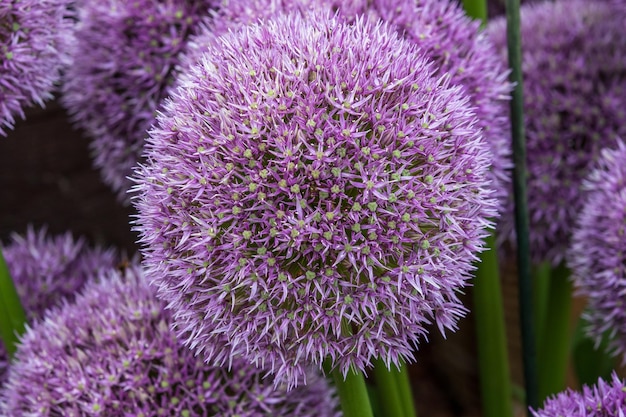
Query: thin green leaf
(12, 316)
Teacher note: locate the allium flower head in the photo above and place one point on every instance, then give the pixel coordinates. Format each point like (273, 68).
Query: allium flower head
(597, 256)
(442, 31)
(112, 353)
(123, 61)
(34, 39)
(575, 105)
(313, 192)
(48, 269)
(605, 399)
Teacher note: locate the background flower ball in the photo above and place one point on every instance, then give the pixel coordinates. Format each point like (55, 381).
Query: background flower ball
(48, 269)
(112, 353)
(606, 398)
(312, 192)
(597, 256)
(575, 105)
(122, 67)
(440, 28)
(34, 39)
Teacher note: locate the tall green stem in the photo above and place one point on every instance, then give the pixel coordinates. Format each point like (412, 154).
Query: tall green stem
(554, 352)
(590, 361)
(404, 388)
(12, 317)
(388, 392)
(521, 205)
(352, 394)
(541, 290)
(394, 390)
(493, 359)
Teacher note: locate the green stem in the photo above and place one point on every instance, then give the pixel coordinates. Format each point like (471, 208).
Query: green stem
(404, 389)
(521, 205)
(394, 390)
(476, 9)
(12, 317)
(541, 289)
(554, 352)
(493, 359)
(590, 361)
(388, 392)
(352, 394)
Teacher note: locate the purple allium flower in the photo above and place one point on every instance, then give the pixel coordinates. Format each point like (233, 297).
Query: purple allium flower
(34, 39)
(443, 32)
(123, 61)
(48, 269)
(605, 399)
(597, 256)
(112, 354)
(312, 192)
(575, 104)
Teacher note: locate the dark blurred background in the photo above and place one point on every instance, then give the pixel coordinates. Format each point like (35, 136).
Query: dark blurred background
(46, 178)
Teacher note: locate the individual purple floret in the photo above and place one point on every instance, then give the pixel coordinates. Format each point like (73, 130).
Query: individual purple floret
(442, 31)
(605, 399)
(311, 192)
(123, 61)
(112, 353)
(575, 104)
(34, 40)
(597, 256)
(47, 269)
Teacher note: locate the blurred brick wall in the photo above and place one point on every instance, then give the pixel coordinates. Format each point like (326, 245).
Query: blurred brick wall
(46, 178)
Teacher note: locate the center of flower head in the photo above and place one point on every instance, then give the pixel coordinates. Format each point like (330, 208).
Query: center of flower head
(319, 177)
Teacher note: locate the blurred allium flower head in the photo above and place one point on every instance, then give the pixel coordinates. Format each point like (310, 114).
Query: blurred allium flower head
(123, 61)
(48, 269)
(575, 104)
(442, 31)
(34, 39)
(597, 256)
(112, 353)
(313, 192)
(604, 399)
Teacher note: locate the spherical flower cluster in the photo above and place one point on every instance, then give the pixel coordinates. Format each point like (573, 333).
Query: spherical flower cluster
(575, 104)
(112, 353)
(605, 399)
(443, 32)
(312, 192)
(123, 62)
(34, 39)
(48, 269)
(597, 256)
